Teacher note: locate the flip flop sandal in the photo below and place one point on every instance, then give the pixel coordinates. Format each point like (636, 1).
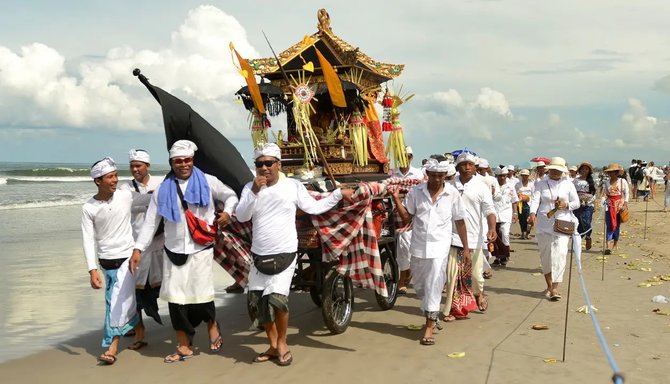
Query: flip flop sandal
(137, 345)
(107, 359)
(286, 361)
(483, 303)
(216, 344)
(555, 297)
(402, 290)
(263, 357)
(175, 357)
(427, 341)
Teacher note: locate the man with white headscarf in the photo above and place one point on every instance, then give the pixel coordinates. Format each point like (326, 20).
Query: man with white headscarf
(188, 284)
(434, 208)
(484, 171)
(479, 209)
(148, 277)
(405, 235)
(107, 234)
(270, 202)
(505, 202)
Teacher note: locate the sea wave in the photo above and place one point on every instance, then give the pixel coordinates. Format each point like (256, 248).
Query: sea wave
(55, 171)
(55, 202)
(43, 179)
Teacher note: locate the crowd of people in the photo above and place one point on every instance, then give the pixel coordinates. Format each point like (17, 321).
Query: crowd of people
(153, 237)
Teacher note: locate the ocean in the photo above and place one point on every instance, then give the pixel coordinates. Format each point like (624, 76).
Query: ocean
(38, 185)
(45, 295)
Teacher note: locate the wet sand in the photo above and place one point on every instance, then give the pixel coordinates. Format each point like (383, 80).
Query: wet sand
(499, 345)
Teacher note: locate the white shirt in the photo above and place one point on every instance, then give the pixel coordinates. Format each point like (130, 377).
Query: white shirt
(106, 229)
(512, 181)
(272, 212)
(544, 197)
(478, 204)
(432, 223)
(142, 199)
(177, 237)
(526, 190)
(503, 201)
(412, 173)
(491, 182)
(582, 188)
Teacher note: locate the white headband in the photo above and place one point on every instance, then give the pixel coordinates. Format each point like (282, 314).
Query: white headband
(267, 149)
(183, 148)
(103, 167)
(466, 157)
(483, 163)
(139, 155)
(433, 166)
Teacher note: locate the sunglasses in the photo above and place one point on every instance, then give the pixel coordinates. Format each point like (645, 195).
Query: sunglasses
(266, 163)
(186, 160)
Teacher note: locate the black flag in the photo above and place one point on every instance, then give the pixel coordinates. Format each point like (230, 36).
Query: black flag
(215, 155)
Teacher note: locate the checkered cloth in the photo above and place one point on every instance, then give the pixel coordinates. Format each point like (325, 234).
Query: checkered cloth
(232, 250)
(347, 234)
(403, 185)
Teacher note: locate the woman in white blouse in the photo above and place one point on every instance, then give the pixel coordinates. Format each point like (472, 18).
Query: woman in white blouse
(557, 196)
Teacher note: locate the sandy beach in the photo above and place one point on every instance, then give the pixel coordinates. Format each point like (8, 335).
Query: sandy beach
(499, 345)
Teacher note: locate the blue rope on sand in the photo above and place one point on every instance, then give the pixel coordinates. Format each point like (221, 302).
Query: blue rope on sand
(617, 377)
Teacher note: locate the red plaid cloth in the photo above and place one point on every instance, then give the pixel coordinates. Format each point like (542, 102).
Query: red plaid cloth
(348, 234)
(404, 185)
(232, 250)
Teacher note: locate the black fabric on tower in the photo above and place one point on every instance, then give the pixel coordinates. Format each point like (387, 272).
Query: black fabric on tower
(215, 155)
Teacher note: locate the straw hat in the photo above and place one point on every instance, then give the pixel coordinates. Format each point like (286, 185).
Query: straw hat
(614, 167)
(572, 168)
(557, 163)
(540, 164)
(524, 172)
(586, 164)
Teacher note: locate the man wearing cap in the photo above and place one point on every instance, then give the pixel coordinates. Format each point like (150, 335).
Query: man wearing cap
(404, 236)
(148, 277)
(433, 207)
(540, 172)
(511, 175)
(187, 285)
(108, 235)
(572, 173)
(270, 202)
(505, 203)
(633, 175)
(408, 172)
(484, 171)
(479, 209)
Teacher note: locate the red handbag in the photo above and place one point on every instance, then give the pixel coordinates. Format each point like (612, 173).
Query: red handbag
(463, 299)
(201, 231)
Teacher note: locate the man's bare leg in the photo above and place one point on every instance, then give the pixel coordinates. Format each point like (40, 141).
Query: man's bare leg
(281, 322)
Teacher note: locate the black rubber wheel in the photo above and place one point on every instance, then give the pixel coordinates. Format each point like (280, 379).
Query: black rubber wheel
(338, 302)
(390, 269)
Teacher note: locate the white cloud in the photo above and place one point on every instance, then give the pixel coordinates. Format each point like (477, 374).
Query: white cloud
(38, 91)
(636, 117)
(492, 100)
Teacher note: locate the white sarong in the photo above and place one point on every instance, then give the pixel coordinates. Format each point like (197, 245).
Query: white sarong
(279, 283)
(428, 277)
(191, 283)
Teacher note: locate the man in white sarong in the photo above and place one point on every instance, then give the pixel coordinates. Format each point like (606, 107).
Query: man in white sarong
(188, 284)
(432, 207)
(484, 171)
(505, 202)
(148, 277)
(270, 202)
(107, 234)
(404, 237)
(478, 204)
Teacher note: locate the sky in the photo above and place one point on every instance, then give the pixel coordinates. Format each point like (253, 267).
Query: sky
(510, 80)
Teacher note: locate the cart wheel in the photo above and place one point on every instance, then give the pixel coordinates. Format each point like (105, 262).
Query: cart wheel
(316, 296)
(338, 301)
(390, 269)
